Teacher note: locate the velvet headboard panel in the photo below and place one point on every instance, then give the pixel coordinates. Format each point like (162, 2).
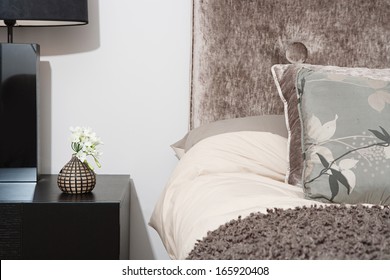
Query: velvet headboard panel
(235, 43)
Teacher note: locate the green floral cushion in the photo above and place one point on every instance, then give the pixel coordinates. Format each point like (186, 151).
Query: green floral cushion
(345, 137)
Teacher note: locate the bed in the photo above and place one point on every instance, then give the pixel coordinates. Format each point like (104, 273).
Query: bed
(287, 154)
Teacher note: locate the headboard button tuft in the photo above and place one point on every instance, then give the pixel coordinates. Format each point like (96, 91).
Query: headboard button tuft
(296, 52)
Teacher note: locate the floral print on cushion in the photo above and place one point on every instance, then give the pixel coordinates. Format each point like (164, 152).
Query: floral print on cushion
(345, 137)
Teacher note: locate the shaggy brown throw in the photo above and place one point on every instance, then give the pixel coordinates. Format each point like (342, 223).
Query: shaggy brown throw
(329, 232)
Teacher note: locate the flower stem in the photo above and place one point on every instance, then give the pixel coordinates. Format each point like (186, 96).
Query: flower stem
(323, 171)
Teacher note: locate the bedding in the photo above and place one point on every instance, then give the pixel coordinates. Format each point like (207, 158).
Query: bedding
(269, 123)
(219, 204)
(220, 178)
(315, 233)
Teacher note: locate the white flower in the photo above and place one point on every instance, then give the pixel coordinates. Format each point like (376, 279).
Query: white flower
(84, 143)
(81, 156)
(345, 167)
(313, 155)
(318, 132)
(378, 100)
(377, 84)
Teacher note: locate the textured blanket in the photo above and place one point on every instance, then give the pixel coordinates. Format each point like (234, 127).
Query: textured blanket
(329, 232)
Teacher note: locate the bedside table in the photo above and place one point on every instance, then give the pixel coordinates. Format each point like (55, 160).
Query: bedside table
(38, 221)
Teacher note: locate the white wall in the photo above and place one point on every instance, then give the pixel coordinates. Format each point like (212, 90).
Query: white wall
(126, 75)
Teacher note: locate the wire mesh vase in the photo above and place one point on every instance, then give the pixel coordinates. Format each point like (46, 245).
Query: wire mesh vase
(76, 177)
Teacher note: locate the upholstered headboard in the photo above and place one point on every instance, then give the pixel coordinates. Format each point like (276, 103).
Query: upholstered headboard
(235, 43)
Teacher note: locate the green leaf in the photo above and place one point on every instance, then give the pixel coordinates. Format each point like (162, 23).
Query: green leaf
(334, 186)
(386, 134)
(323, 160)
(341, 178)
(379, 135)
(97, 162)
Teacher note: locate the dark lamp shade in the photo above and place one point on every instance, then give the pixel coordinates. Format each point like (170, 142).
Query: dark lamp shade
(44, 12)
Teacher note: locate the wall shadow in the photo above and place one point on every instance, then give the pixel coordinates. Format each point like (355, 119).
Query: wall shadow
(140, 246)
(44, 118)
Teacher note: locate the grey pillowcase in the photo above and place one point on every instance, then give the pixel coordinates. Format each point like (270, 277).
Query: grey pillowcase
(346, 137)
(269, 123)
(285, 79)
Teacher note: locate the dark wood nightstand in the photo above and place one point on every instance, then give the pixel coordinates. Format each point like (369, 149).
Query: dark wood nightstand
(38, 221)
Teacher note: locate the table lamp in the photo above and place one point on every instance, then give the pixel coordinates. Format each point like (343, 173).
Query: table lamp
(19, 87)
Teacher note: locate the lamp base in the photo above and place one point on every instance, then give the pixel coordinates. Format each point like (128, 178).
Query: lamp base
(18, 112)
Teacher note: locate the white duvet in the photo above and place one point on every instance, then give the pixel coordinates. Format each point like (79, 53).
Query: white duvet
(219, 179)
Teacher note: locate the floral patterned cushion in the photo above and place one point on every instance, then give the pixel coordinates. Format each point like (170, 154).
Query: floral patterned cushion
(345, 137)
(285, 80)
